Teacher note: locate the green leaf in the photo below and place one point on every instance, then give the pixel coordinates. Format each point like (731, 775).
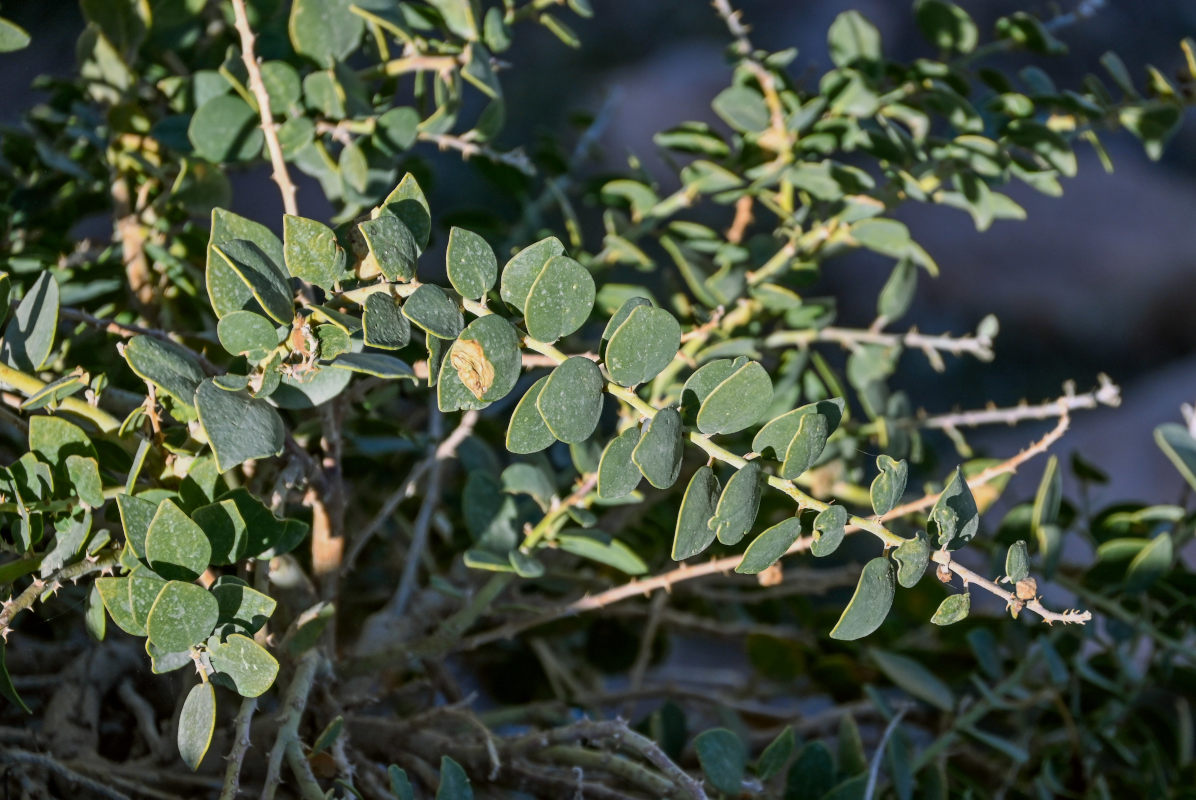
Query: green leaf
(396, 130)
(12, 36)
(913, 555)
(486, 358)
(852, 759)
(461, 18)
(617, 473)
(812, 774)
(143, 587)
(527, 432)
(871, 602)
(282, 85)
(197, 722)
(624, 310)
(407, 202)
(1049, 496)
(694, 534)
(898, 292)
(520, 273)
(29, 335)
(571, 401)
(796, 441)
(738, 505)
(162, 662)
(1017, 562)
(777, 754)
(52, 439)
(737, 402)
(471, 264)
(245, 663)
(705, 380)
(84, 474)
(263, 529)
(171, 368)
(430, 308)
(560, 299)
(93, 616)
(1179, 446)
(225, 530)
(953, 608)
(183, 615)
(853, 40)
(379, 365)
(642, 346)
(946, 26)
(238, 427)
(915, 678)
(226, 290)
(225, 128)
(392, 247)
(383, 323)
(244, 332)
(601, 547)
(324, 30)
(889, 485)
(268, 284)
(885, 236)
(1151, 563)
(114, 592)
(175, 546)
(742, 108)
(830, 526)
(454, 783)
(723, 757)
(1154, 123)
(400, 785)
(955, 518)
(658, 453)
(768, 547)
(311, 252)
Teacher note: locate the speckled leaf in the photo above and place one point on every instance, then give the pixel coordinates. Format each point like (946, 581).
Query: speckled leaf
(243, 332)
(246, 663)
(871, 602)
(487, 358)
(225, 128)
(1017, 561)
(166, 365)
(912, 555)
(601, 547)
(521, 271)
(571, 401)
(379, 365)
(955, 518)
(225, 530)
(267, 282)
(52, 439)
(84, 474)
(175, 546)
(29, 335)
(135, 515)
(774, 439)
(527, 432)
(197, 722)
(642, 346)
(560, 300)
(238, 427)
(184, 614)
(114, 592)
(325, 31)
(311, 252)
(723, 757)
(392, 247)
(622, 313)
(829, 529)
(704, 380)
(471, 264)
(953, 609)
(312, 390)
(658, 453)
(737, 402)
(769, 546)
(806, 447)
(226, 291)
(617, 474)
(431, 309)
(693, 534)
(889, 485)
(384, 324)
(739, 504)
(162, 662)
(144, 587)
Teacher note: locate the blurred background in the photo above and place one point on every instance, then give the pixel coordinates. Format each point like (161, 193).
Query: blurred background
(1100, 280)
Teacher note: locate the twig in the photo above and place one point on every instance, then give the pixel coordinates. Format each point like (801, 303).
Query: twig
(874, 769)
(309, 787)
(943, 557)
(241, 743)
(423, 523)
(281, 176)
(516, 159)
(72, 572)
(644, 656)
(293, 708)
(144, 713)
(18, 756)
(978, 346)
(1106, 393)
(128, 330)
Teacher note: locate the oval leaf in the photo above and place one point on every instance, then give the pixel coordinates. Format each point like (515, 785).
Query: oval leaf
(769, 546)
(955, 518)
(29, 335)
(1017, 562)
(617, 473)
(522, 270)
(560, 300)
(693, 533)
(571, 401)
(953, 608)
(889, 485)
(871, 602)
(642, 346)
(472, 267)
(197, 722)
(238, 427)
(739, 504)
(527, 432)
(913, 555)
(245, 663)
(738, 402)
(431, 309)
(183, 615)
(175, 546)
(658, 453)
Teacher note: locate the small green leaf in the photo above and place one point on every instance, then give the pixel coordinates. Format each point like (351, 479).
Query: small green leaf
(1151, 563)
(400, 785)
(658, 453)
(527, 432)
(830, 526)
(143, 587)
(768, 547)
(135, 515)
(171, 368)
(777, 754)
(853, 40)
(889, 485)
(311, 252)
(953, 608)
(624, 311)
(955, 518)
(396, 130)
(705, 380)
(913, 555)
(114, 592)
(812, 774)
(472, 267)
(407, 202)
(1017, 562)
(738, 505)
(243, 332)
(383, 323)
(737, 402)
(571, 401)
(742, 108)
(1179, 446)
(225, 128)
(947, 26)
(183, 615)
(238, 427)
(852, 758)
(225, 530)
(282, 85)
(379, 365)
(1049, 497)
(197, 722)
(694, 534)
(12, 36)
(175, 546)
(560, 299)
(898, 292)
(454, 783)
(617, 473)
(914, 678)
(723, 757)
(245, 663)
(641, 347)
(520, 273)
(29, 335)
(325, 31)
(601, 547)
(431, 309)
(267, 282)
(392, 247)
(871, 602)
(226, 290)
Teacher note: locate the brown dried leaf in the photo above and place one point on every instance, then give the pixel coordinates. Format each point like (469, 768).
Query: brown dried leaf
(474, 370)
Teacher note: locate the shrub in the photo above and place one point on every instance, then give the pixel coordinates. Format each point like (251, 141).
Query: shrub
(377, 520)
